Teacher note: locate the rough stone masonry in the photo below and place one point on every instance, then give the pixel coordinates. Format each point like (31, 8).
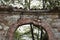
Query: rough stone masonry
(9, 19)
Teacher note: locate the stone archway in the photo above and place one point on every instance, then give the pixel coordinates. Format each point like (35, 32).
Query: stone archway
(20, 22)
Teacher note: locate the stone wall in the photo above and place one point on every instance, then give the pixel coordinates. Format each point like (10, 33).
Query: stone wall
(8, 19)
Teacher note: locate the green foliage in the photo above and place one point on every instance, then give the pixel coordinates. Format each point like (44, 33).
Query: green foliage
(16, 34)
(6, 0)
(47, 4)
(38, 33)
(53, 3)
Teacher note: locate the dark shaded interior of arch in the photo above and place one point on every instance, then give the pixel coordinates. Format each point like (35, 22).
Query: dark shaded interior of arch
(41, 33)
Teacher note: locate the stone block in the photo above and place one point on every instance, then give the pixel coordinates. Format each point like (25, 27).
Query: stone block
(57, 35)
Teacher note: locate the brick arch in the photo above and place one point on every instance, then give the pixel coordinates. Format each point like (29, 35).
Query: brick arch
(20, 22)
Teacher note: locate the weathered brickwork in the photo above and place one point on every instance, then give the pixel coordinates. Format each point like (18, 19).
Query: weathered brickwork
(10, 21)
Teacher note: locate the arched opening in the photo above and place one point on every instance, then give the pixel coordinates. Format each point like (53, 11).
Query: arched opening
(30, 32)
(37, 23)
